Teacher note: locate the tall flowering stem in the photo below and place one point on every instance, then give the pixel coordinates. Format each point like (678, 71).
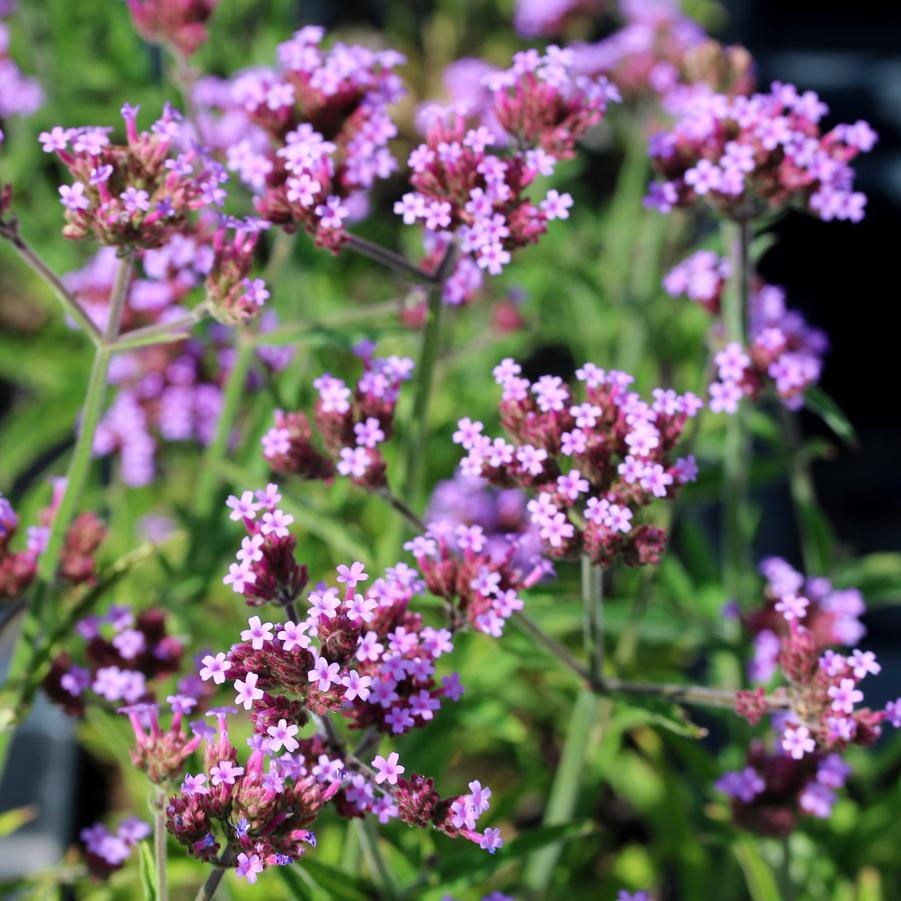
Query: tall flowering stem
(159, 846)
(425, 372)
(90, 417)
(593, 601)
(231, 401)
(736, 456)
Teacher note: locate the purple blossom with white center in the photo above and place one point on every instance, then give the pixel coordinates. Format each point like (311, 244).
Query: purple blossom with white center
(324, 674)
(225, 773)
(247, 691)
(844, 696)
(276, 522)
(796, 741)
(282, 736)
(357, 686)
(258, 633)
(293, 635)
(214, 668)
(387, 768)
(792, 607)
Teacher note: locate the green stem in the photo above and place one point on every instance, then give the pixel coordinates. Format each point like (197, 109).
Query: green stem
(737, 452)
(391, 259)
(9, 230)
(428, 355)
(90, 418)
(208, 889)
(565, 791)
(378, 866)
(161, 332)
(159, 847)
(208, 480)
(593, 603)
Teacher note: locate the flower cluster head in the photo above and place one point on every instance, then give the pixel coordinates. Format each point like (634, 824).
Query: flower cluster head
(794, 633)
(105, 851)
(470, 182)
(266, 570)
(234, 297)
(358, 651)
(784, 353)
(774, 790)
(324, 115)
(831, 615)
(743, 156)
(179, 23)
(480, 581)
(138, 193)
(121, 655)
(77, 563)
(591, 466)
(549, 18)
(19, 95)
(351, 424)
(159, 753)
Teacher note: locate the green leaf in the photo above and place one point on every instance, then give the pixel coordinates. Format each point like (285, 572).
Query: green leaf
(664, 714)
(758, 876)
(14, 819)
(147, 867)
(829, 411)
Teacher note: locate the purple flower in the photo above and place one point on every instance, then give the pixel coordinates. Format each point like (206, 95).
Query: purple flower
(387, 768)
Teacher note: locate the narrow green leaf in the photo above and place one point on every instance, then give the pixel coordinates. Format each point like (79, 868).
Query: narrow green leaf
(758, 876)
(664, 714)
(147, 868)
(14, 819)
(829, 411)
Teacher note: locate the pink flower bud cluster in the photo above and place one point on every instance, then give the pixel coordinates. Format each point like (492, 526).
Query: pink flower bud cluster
(743, 156)
(121, 655)
(785, 352)
(159, 753)
(260, 809)
(351, 424)
(234, 297)
(135, 194)
(591, 466)
(372, 658)
(105, 851)
(774, 790)
(77, 564)
(481, 584)
(326, 116)
(19, 95)
(179, 23)
(471, 183)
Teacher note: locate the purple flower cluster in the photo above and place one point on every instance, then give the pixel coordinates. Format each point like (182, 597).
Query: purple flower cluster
(325, 115)
(137, 194)
(19, 95)
(592, 466)
(121, 654)
(774, 790)
(105, 851)
(351, 423)
(784, 351)
(547, 18)
(470, 182)
(743, 156)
